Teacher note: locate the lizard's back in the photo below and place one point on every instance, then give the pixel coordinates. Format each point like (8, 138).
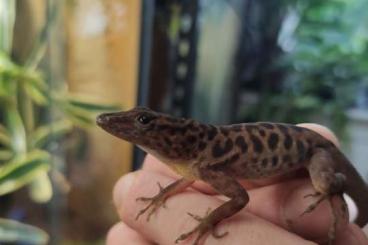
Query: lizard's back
(257, 150)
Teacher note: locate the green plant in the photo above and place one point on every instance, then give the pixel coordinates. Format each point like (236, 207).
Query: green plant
(33, 113)
(313, 63)
(328, 60)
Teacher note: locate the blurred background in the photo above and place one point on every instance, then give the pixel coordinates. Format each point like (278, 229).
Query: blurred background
(218, 61)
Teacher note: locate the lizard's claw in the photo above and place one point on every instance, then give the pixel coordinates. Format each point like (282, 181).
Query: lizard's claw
(316, 194)
(202, 228)
(199, 218)
(155, 202)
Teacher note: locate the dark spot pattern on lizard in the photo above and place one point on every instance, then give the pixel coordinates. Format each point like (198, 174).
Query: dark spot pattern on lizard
(202, 145)
(301, 150)
(219, 151)
(264, 162)
(224, 131)
(171, 131)
(257, 143)
(191, 139)
(288, 141)
(192, 126)
(167, 141)
(212, 132)
(240, 142)
(273, 140)
(262, 133)
(182, 129)
(254, 160)
(275, 161)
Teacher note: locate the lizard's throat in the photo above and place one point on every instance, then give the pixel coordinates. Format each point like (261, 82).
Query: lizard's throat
(156, 154)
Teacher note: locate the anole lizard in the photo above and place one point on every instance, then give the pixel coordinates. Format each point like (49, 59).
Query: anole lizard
(220, 155)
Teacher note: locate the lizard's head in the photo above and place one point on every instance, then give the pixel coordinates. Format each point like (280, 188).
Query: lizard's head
(159, 134)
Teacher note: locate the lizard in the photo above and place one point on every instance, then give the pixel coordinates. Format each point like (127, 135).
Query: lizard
(221, 155)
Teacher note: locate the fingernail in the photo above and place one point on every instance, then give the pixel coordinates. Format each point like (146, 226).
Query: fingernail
(122, 188)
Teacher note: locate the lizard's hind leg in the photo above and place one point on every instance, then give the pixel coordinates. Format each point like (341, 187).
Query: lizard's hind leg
(327, 182)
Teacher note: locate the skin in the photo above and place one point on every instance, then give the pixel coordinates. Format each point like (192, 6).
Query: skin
(130, 231)
(222, 178)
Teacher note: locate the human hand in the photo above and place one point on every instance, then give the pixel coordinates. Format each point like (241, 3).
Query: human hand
(271, 217)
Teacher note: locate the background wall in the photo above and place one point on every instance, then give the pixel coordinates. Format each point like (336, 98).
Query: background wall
(102, 44)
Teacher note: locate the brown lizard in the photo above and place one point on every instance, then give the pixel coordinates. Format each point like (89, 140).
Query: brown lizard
(220, 155)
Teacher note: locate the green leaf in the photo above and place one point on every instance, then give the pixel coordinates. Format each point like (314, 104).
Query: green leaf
(4, 136)
(7, 20)
(36, 93)
(23, 170)
(88, 104)
(6, 155)
(15, 232)
(78, 116)
(16, 128)
(7, 66)
(34, 77)
(41, 189)
(40, 45)
(43, 134)
(306, 102)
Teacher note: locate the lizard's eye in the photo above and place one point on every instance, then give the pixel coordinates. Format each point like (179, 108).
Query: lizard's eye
(143, 119)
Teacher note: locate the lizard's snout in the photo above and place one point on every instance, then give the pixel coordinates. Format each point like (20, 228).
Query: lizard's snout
(104, 119)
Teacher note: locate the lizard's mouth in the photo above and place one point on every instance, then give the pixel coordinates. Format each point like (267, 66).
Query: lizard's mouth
(116, 124)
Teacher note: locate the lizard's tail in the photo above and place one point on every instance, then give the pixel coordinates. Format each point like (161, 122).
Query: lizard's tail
(356, 188)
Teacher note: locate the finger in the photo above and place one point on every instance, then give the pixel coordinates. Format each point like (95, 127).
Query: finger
(322, 130)
(120, 233)
(168, 224)
(352, 235)
(283, 204)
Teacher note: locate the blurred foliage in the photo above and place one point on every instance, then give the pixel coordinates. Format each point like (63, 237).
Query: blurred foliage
(320, 59)
(13, 231)
(33, 114)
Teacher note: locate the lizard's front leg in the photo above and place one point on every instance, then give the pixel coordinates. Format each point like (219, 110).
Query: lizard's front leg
(227, 186)
(159, 200)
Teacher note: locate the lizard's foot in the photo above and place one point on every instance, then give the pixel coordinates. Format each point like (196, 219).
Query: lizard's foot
(315, 204)
(154, 202)
(335, 213)
(202, 228)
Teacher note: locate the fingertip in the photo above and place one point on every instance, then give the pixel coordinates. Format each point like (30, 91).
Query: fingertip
(322, 130)
(120, 233)
(122, 188)
(114, 235)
